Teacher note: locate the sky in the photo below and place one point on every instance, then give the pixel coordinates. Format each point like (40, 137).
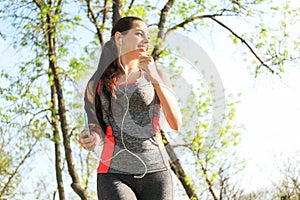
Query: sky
(269, 110)
(269, 107)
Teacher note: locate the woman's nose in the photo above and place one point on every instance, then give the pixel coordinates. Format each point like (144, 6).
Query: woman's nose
(146, 40)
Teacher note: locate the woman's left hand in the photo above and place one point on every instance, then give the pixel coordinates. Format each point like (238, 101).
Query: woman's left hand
(147, 64)
(167, 99)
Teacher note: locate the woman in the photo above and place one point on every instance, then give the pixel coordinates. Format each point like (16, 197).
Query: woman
(123, 101)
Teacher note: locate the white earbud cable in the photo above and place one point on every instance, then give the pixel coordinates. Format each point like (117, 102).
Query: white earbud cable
(126, 111)
(123, 120)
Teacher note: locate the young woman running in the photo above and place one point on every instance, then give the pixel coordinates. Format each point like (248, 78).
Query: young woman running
(123, 101)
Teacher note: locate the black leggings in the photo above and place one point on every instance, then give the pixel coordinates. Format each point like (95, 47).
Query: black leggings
(154, 186)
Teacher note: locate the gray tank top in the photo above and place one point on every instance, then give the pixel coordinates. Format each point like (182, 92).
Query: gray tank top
(131, 144)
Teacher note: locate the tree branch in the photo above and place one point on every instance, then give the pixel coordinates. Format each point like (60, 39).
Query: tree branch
(213, 17)
(17, 169)
(203, 167)
(245, 42)
(58, 7)
(209, 183)
(94, 20)
(189, 20)
(37, 3)
(188, 145)
(130, 5)
(161, 27)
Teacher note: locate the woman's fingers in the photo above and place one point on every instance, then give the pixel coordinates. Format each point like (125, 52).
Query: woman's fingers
(144, 62)
(90, 145)
(96, 128)
(87, 142)
(145, 59)
(83, 134)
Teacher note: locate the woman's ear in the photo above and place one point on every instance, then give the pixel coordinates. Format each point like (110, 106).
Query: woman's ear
(118, 38)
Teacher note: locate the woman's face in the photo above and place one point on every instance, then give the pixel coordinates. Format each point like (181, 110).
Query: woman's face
(136, 41)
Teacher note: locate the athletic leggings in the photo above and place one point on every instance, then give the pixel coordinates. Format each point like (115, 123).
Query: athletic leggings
(153, 186)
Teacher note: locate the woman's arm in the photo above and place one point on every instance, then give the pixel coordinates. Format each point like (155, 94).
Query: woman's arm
(168, 101)
(166, 96)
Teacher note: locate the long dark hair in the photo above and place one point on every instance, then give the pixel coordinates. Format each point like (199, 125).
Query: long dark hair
(109, 66)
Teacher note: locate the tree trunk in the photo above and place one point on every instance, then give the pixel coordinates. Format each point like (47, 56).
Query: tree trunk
(50, 40)
(117, 10)
(161, 26)
(56, 137)
(179, 171)
(175, 164)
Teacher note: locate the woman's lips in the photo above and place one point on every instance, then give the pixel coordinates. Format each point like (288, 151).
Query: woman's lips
(144, 48)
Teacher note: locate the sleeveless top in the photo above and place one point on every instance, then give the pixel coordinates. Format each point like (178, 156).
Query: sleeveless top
(133, 143)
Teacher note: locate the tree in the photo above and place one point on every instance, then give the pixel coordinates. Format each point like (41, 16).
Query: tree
(209, 150)
(285, 183)
(261, 194)
(217, 160)
(9, 168)
(41, 25)
(288, 185)
(41, 87)
(163, 27)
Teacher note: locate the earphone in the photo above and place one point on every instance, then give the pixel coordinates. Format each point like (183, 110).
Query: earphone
(123, 119)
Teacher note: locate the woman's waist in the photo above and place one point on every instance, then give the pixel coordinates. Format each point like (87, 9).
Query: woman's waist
(135, 144)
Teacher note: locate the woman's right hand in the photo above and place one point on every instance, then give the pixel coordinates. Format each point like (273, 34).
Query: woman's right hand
(90, 142)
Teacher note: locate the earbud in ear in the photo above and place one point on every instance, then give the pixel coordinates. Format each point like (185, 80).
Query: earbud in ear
(120, 41)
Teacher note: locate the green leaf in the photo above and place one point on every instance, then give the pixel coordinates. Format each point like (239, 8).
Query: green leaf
(281, 69)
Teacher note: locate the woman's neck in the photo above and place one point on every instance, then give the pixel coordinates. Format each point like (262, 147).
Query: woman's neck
(130, 65)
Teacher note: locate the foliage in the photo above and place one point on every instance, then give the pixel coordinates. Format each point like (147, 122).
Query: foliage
(208, 148)
(288, 184)
(285, 181)
(80, 28)
(26, 94)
